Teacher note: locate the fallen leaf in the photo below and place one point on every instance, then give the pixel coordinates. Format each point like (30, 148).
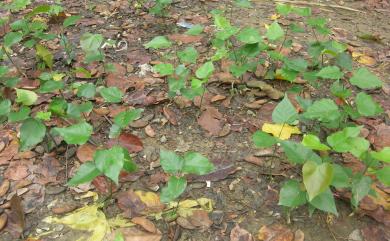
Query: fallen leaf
(134, 234)
(4, 187)
(47, 170)
(299, 235)
(129, 141)
(103, 185)
(363, 59)
(240, 234)
(140, 97)
(63, 208)
(145, 224)
(134, 203)
(85, 152)
(150, 131)
(16, 220)
(217, 98)
(254, 160)
(275, 232)
(219, 174)
(185, 39)
(3, 221)
(382, 136)
(119, 79)
(211, 120)
(373, 233)
(9, 152)
(200, 219)
(138, 57)
(282, 131)
(257, 104)
(16, 171)
(170, 115)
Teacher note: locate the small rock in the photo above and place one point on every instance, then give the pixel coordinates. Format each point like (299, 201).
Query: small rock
(163, 139)
(39, 149)
(217, 216)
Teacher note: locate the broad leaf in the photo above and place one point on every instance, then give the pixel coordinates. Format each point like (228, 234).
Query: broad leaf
(325, 202)
(366, 106)
(347, 140)
(44, 54)
(204, 71)
(71, 20)
(316, 178)
(249, 35)
(313, 142)
(384, 175)
(176, 186)
(77, 134)
(383, 155)
(324, 110)
(87, 90)
(341, 176)
(91, 42)
(188, 55)
(12, 38)
(298, 153)
(361, 186)
(164, 69)
(330, 72)
(26, 97)
(364, 79)
(111, 94)
(32, 132)
(274, 32)
(297, 64)
(76, 110)
(110, 162)
(86, 173)
(195, 30)
(291, 194)
(284, 112)
(124, 118)
(171, 162)
(195, 163)
(159, 42)
(263, 140)
(280, 131)
(5, 107)
(20, 115)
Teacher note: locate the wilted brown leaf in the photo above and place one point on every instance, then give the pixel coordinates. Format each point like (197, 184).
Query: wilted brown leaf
(17, 171)
(9, 152)
(3, 221)
(374, 233)
(275, 232)
(16, 221)
(4, 187)
(240, 234)
(129, 141)
(211, 120)
(63, 208)
(134, 234)
(185, 39)
(170, 115)
(85, 152)
(145, 224)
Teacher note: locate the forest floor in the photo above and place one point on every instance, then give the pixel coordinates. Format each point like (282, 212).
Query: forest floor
(244, 190)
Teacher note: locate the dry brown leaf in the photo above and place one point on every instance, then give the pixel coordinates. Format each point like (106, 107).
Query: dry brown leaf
(134, 234)
(63, 208)
(185, 39)
(129, 141)
(240, 234)
(275, 232)
(3, 221)
(17, 171)
(150, 131)
(9, 152)
(4, 187)
(170, 115)
(85, 152)
(16, 219)
(145, 224)
(210, 120)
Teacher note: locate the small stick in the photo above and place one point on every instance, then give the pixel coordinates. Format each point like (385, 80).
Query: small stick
(319, 5)
(13, 63)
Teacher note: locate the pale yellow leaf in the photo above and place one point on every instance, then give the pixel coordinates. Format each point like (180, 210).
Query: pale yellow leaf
(282, 131)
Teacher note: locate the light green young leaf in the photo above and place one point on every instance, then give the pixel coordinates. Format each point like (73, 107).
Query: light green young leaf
(171, 162)
(283, 9)
(366, 106)
(249, 35)
(348, 140)
(159, 42)
(26, 97)
(384, 175)
(361, 186)
(364, 79)
(298, 153)
(330, 72)
(42, 115)
(5, 107)
(284, 112)
(274, 32)
(314, 143)
(86, 173)
(195, 30)
(20, 115)
(291, 194)
(325, 202)
(383, 155)
(110, 162)
(164, 69)
(316, 178)
(87, 90)
(12, 38)
(263, 140)
(196, 163)
(176, 186)
(204, 71)
(111, 94)
(77, 134)
(243, 3)
(44, 54)
(188, 55)
(32, 132)
(296, 64)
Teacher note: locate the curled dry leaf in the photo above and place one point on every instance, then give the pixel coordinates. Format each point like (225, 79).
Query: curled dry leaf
(217, 98)
(129, 141)
(254, 160)
(170, 115)
(85, 152)
(271, 91)
(240, 234)
(134, 203)
(275, 232)
(257, 104)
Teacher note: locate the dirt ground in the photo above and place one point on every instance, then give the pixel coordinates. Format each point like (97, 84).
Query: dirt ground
(247, 194)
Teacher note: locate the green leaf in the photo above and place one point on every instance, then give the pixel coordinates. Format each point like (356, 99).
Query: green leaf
(361, 186)
(324, 110)
(26, 97)
(297, 64)
(340, 90)
(176, 186)
(274, 32)
(204, 71)
(44, 54)
(291, 194)
(87, 90)
(115, 131)
(314, 143)
(330, 72)
(384, 175)
(42, 115)
(341, 176)
(383, 155)
(58, 106)
(86, 173)
(159, 42)
(51, 86)
(226, 33)
(5, 107)
(221, 22)
(124, 118)
(110, 162)
(316, 178)
(77, 134)
(17, 5)
(75, 110)
(344, 60)
(196, 163)
(283, 9)
(32, 132)
(348, 140)
(119, 237)
(195, 30)
(249, 35)
(71, 20)
(164, 69)
(304, 12)
(366, 106)
(243, 3)
(91, 42)
(298, 153)
(325, 202)
(170, 162)
(111, 94)
(12, 38)
(263, 140)
(20, 115)
(364, 79)
(284, 112)
(188, 55)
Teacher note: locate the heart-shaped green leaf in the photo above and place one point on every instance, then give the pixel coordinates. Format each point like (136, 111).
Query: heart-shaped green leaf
(196, 163)
(32, 132)
(86, 173)
(176, 186)
(77, 134)
(171, 162)
(316, 178)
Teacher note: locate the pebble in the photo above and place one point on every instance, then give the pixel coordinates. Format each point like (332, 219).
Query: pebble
(163, 139)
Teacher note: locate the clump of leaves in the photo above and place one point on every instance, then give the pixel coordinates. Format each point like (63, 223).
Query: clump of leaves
(177, 166)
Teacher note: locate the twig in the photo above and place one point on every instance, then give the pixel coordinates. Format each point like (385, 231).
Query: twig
(13, 63)
(319, 5)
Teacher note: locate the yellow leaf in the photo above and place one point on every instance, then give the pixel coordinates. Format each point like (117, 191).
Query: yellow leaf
(120, 222)
(58, 76)
(151, 199)
(266, 26)
(275, 16)
(363, 59)
(281, 131)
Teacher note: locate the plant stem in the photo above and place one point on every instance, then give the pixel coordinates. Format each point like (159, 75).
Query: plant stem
(13, 63)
